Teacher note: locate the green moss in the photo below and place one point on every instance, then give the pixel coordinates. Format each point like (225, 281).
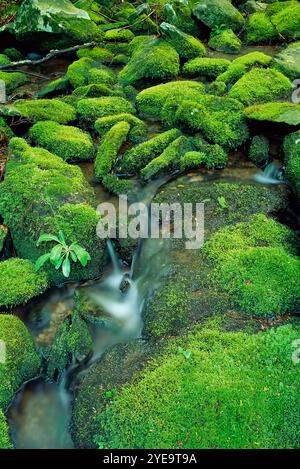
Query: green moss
(5, 132)
(20, 282)
(91, 109)
(207, 400)
(187, 46)
(241, 65)
(5, 441)
(288, 113)
(292, 159)
(259, 86)
(179, 14)
(217, 88)
(169, 160)
(22, 361)
(118, 47)
(261, 281)
(151, 100)
(13, 54)
(226, 41)
(257, 231)
(209, 156)
(217, 13)
(287, 22)
(118, 35)
(70, 143)
(87, 71)
(219, 119)
(102, 76)
(138, 129)
(100, 54)
(288, 61)
(45, 109)
(259, 150)
(109, 148)
(206, 67)
(260, 29)
(139, 156)
(4, 60)
(153, 59)
(56, 86)
(118, 186)
(13, 80)
(96, 90)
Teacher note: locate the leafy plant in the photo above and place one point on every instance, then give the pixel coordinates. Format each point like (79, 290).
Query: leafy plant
(222, 203)
(61, 254)
(218, 29)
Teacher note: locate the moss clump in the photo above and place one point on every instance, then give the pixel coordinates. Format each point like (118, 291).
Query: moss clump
(70, 143)
(152, 59)
(138, 129)
(87, 71)
(91, 109)
(288, 113)
(209, 156)
(292, 159)
(206, 67)
(226, 41)
(260, 29)
(187, 46)
(221, 377)
(96, 90)
(257, 231)
(109, 148)
(243, 64)
(217, 88)
(99, 54)
(102, 76)
(5, 132)
(22, 361)
(288, 61)
(5, 441)
(55, 86)
(261, 281)
(179, 14)
(4, 60)
(20, 282)
(259, 86)
(259, 150)
(118, 186)
(45, 109)
(139, 156)
(13, 54)
(217, 13)
(287, 22)
(151, 100)
(118, 35)
(220, 119)
(13, 80)
(169, 160)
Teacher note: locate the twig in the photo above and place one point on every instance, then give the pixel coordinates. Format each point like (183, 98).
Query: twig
(53, 53)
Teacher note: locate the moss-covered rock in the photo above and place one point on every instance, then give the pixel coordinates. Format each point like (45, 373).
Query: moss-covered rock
(179, 14)
(91, 109)
(21, 360)
(287, 22)
(13, 80)
(259, 150)
(4, 60)
(87, 71)
(70, 143)
(20, 282)
(260, 29)
(13, 54)
(5, 132)
(118, 35)
(139, 156)
(138, 129)
(45, 109)
(288, 61)
(59, 85)
(96, 90)
(243, 64)
(217, 13)
(115, 185)
(5, 441)
(209, 156)
(187, 46)
(152, 59)
(226, 41)
(100, 54)
(291, 149)
(223, 376)
(206, 67)
(287, 113)
(109, 148)
(260, 86)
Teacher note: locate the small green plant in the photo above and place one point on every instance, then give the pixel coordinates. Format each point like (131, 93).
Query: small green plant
(186, 353)
(61, 254)
(222, 203)
(218, 29)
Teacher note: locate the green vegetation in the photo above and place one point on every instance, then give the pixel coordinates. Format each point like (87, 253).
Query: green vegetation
(218, 12)
(260, 29)
(118, 186)
(287, 21)
(100, 54)
(137, 132)
(19, 282)
(186, 46)
(259, 150)
(209, 156)
(292, 159)
(243, 64)
(206, 67)
(288, 113)
(225, 41)
(91, 109)
(118, 35)
(13, 80)
(5, 442)
(4, 60)
(70, 143)
(109, 148)
(88, 71)
(287, 61)
(45, 109)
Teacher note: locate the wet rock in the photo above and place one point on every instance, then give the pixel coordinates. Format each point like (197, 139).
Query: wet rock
(288, 61)
(187, 46)
(218, 12)
(286, 113)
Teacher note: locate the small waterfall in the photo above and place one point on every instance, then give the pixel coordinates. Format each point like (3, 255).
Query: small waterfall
(272, 174)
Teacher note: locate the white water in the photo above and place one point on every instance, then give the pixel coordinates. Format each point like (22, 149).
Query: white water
(272, 174)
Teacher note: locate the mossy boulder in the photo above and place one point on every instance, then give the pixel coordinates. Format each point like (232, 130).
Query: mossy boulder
(226, 41)
(13, 54)
(20, 282)
(152, 59)
(4, 60)
(218, 12)
(13, 80)
(288, 61)
(58, 86)
(70, 143)
(5, 132)
(179, 14)
(207, 67)
(21, 360)
(187, 46)
(100, 54)
(260, 29)
(286, 113)
(96, 90)
(259, 150)
(243, 64)
(118, 186)
(260, 86)
(91, 109)
(291, 150)
(45, 109)
(109, 148)
(88, 71)
(5, 441)
(206, 155)
(138, 129)
(118, 35)
(287, 21)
